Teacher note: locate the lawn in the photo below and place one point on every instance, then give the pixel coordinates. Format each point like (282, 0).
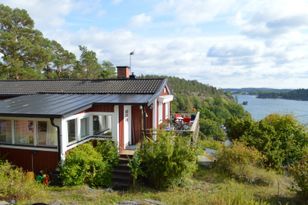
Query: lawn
(208, 186)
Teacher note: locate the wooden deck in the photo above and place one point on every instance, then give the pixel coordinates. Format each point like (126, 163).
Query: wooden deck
(127, 152)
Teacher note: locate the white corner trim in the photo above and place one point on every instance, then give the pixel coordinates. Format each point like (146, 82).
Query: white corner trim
(165, 98)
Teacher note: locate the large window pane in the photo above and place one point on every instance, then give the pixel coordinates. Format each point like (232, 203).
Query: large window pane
(5, 131)
(52, 139)
(84, 123)
(71, 128)
(24, 132)
(96, 125)
(46, 134)
(41, 133)
(102, 124)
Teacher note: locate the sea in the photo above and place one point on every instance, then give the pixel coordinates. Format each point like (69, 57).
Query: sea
(260, 108)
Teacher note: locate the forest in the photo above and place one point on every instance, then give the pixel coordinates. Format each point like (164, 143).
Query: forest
(298, 94)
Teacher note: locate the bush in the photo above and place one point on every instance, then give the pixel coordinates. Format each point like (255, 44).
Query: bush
(86, 164)
(242, 163)
(15, 185)
(168, 160)
(108, 151)
(210, 143)
(280, 138)
(299, 171)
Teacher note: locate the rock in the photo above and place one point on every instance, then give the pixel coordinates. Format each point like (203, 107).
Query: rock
(153, 202)
(129, 203)
(4, 203)
(56, 203)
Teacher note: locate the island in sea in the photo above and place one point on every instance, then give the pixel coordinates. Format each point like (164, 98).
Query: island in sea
(289, 94)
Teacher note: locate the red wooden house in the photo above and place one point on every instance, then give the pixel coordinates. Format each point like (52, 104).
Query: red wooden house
(40, 120)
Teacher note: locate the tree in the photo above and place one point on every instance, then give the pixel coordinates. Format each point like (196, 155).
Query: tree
(62, 62)
(108, 70)
(25, 53)
(24, 50)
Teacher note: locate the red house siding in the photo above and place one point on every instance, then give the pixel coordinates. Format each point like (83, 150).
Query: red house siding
(121, 127)
(42, 160)
(100, 108)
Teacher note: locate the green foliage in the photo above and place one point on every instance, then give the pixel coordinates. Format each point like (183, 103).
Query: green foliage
(242, 163)
(212, 129)
(86, 164)
(108, 151)
(214, 105)
(168, 160)
(135, 167)
(210, 143)
(298, 94)
(26, 54)
(280, 138)
(299, 171)
(25, 51)
(15, 185)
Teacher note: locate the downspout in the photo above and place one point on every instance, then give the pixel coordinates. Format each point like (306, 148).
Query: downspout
(59, 137)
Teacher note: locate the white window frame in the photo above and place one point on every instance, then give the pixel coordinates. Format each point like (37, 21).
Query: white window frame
(35, 145)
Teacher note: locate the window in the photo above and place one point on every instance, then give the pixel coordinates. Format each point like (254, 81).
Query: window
(71, 128)
(5, 131)
(46, 134)
(96, 125)
(101, 124)
(84, 123)
(41, 133)
(24, 132)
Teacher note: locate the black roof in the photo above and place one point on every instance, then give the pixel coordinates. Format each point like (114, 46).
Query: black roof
(61, 105)
(106, 86)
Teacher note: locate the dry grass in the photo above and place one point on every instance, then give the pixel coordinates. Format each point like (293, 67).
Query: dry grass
(206, 187)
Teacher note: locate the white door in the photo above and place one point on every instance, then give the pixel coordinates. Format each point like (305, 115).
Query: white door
(127, 125)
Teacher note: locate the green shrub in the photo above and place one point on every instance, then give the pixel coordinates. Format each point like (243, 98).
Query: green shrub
(86, 164)
(15, 185)
(242, 163)
(168, 160)
(281, 138)
(239, 154)
(210, 143)
(108, 151)
(299, 171)
(135, 167)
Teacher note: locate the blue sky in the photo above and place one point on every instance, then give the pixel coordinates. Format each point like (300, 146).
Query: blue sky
(229, 43)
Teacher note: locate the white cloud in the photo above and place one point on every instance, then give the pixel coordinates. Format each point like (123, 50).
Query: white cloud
(140, 20)
(268, 19)
(268, 46)
(45, 13)
(195, 12)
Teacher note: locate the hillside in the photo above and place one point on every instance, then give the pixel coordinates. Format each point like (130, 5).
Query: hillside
(215, 106)
(255, 91)
(299, 94)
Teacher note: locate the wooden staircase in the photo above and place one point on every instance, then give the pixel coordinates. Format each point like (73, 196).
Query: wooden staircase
(121, 176)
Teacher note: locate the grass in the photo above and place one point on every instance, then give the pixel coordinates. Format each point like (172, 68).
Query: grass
(208, 186)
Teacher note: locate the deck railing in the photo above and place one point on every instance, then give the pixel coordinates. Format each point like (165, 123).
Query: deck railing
(191, 130)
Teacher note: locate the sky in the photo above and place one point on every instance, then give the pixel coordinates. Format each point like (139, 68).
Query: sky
(224, 43)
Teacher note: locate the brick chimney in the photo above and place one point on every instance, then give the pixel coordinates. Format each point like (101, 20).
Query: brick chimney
(123, 72)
